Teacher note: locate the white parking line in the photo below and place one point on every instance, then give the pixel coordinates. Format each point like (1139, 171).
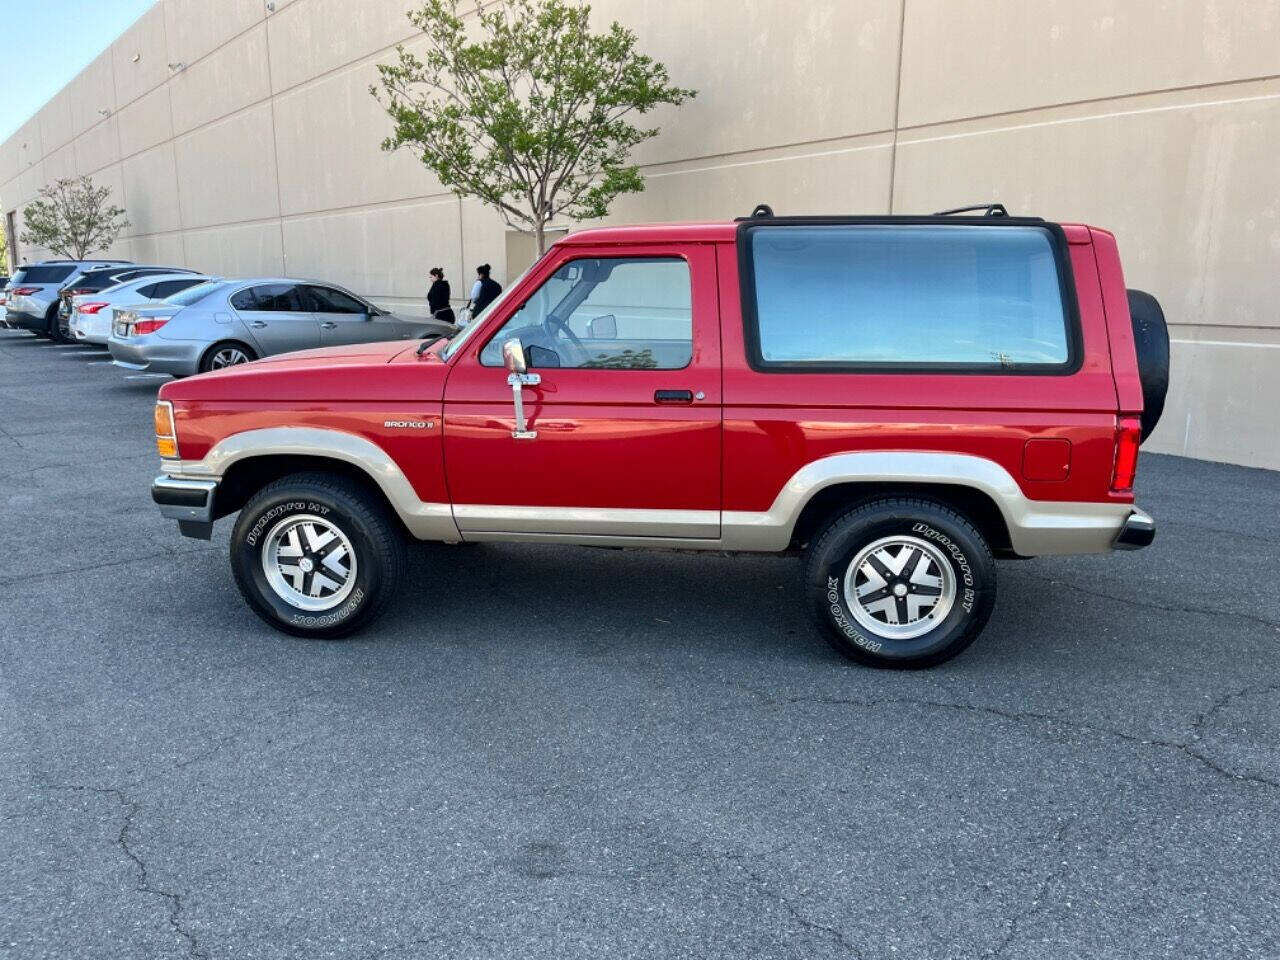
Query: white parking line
(95, 363)
(147, 376)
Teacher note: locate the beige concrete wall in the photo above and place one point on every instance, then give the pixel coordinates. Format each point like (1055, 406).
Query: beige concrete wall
(258, 151)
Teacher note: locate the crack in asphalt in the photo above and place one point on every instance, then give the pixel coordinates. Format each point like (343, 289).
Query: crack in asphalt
(9, 436)
(144, 884)
(6, 581)
(72, 465)
(762, 886)
(427, 942)
(1188, 747)
(1163, 608)
(1037, 902)
(1269, 541)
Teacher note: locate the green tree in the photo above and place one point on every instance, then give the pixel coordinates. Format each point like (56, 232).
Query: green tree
(72, 218)
(529, 112)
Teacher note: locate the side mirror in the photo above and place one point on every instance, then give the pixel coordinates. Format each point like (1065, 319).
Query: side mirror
(513, 357)
(603, 328)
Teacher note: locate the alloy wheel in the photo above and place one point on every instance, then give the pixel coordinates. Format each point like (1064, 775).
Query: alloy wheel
(309, 563)
(227, 357)
(899, 587)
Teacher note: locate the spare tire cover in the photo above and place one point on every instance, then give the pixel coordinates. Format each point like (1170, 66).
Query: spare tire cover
(1151, 340)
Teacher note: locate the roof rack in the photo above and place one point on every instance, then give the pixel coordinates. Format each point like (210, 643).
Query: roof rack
(988, 210)
(761, 211)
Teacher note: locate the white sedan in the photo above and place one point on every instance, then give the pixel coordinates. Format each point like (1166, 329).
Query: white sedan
(91, 313)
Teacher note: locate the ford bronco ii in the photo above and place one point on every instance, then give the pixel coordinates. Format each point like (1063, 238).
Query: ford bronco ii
(898, 399)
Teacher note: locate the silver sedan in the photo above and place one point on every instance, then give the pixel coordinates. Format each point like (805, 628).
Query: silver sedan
(221, 323)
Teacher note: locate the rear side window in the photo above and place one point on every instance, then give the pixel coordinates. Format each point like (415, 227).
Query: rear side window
(273, 297)
(51, 274)
(148, 291)
(906, 297)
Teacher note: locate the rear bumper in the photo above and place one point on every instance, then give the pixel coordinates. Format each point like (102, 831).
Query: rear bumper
(1138, 531)
(91, 328)
(156, 355)
(190, 502)
(21, 320)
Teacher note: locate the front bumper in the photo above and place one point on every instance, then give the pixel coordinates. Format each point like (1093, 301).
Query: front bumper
(1138, 531)
(157, 355)
(190, 502)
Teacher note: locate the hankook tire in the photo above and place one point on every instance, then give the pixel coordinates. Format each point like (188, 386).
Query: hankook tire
(900, 583)
(316, 555)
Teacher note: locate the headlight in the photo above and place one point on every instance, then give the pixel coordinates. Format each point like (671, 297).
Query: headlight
(166, 432)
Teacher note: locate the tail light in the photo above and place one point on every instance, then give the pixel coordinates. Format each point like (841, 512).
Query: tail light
(24, 291)
(149, 324)
(90, 307)
(1128, 437)
(166, 430)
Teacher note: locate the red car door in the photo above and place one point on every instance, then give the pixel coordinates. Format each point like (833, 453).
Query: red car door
(623, 432)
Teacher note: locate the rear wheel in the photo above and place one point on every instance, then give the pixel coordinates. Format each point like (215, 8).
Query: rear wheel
(900, 583)
(316, 555)
(51, 325)
(227, 353)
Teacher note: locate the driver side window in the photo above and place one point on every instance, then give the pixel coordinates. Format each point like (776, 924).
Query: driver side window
(614, 313)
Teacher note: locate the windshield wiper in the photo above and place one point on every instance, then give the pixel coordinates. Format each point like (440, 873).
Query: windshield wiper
(428, 341)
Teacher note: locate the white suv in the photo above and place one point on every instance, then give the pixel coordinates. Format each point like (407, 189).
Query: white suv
(33, 293)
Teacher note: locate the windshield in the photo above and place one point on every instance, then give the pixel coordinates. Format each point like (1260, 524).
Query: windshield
(469, 330)
(197, 293)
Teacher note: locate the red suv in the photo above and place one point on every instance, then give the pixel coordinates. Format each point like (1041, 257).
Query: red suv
(899, 399)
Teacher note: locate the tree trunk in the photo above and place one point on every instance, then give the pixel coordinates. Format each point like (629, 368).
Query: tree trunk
(539, 237)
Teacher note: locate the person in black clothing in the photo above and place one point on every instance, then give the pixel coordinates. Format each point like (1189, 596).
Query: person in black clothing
(484, 292)
(438, 297)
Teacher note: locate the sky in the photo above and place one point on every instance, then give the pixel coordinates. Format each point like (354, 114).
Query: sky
(47, 42)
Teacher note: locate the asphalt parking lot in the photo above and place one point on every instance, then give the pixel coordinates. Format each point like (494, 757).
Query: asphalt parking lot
(561, 753)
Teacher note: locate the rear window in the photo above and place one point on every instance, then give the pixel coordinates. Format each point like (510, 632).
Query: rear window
(197, 293)
(50, 274)
(906, 296)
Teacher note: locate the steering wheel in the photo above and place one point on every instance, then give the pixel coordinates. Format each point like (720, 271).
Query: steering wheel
(551, 324)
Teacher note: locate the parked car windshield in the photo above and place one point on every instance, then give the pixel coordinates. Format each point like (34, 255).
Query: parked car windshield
(197, 293)
(50, 274)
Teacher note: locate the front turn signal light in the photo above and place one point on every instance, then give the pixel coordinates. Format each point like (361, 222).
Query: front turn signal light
(166, 432)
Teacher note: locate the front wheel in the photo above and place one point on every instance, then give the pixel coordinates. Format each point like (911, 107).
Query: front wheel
(316, 555)
(900, 583)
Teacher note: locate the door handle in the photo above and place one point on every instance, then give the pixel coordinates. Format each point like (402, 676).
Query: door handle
(258, 324)
(328, 325)
(673, 396)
